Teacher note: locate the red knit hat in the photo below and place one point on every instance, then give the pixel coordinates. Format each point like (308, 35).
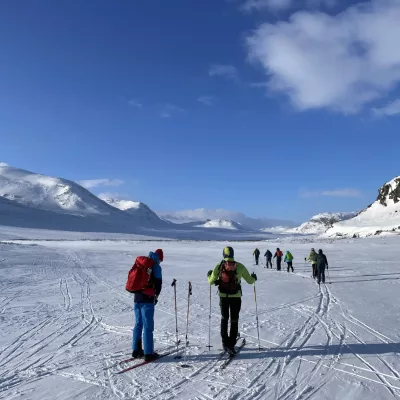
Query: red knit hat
(160, 254)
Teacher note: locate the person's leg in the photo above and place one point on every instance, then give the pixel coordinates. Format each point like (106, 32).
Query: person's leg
(235, 305)
(288, 266)
(291, 266)
(224, 306)
(148, 327)
(138, 328)
(319, 275)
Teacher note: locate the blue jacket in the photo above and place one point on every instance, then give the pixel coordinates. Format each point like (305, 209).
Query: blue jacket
(157, 280)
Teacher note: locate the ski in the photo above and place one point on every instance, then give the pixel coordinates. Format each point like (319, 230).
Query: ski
(145, 362)
(135, 359)
(229, 360)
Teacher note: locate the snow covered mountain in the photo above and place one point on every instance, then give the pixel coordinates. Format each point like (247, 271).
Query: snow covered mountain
(136, 209)
(221, 224)
(49, 193)
(33, 200)
(382, 215)
(321, 222)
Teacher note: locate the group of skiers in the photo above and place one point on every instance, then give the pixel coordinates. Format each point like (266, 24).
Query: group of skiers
(278, 255)
(145, 281)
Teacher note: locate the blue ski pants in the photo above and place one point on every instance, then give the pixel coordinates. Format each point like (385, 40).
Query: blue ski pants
(144, 317)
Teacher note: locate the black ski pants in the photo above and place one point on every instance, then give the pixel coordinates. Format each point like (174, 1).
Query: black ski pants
(257, 257)
(278, 263)
(290, 265)
(314, 271)
(230, 306)
(321, 273)
(269, 262)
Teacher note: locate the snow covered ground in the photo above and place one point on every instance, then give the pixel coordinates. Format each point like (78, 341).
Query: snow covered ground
(66, 321)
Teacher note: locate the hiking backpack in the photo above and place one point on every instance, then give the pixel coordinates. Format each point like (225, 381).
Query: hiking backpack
(228, 282)
(140, 275)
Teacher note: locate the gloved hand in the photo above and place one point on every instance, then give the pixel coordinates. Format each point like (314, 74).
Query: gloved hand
(155, 300)
(217, 282)
(305, 258)
(209, 273)
(327, 266)
(253, 275)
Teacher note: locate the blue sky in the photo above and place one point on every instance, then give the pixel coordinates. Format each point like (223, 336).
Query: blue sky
(249, 105)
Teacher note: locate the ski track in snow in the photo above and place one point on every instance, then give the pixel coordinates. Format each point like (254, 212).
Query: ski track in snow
(67, 317)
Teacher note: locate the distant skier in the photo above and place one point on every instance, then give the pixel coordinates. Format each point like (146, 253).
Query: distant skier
(289, 260)
(322, 262)
(313, 258)
(145, 300)
(278, 255)
(256, 254)
(227, 276)
(268, 256)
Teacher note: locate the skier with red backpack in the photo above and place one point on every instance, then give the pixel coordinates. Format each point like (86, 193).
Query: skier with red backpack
(278, 255)
(227, 276)
(145, 281)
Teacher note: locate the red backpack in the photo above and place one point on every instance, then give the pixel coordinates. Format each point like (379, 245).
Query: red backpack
(228, 282)
(139, 277)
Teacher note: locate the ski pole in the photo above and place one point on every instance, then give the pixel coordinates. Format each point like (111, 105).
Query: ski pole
(176, 320)
(187, 323)
(209, 325)
(258, 329)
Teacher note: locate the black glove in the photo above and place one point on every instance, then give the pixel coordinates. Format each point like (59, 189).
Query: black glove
(155, 300)
(327, 266)
(217, 282)
(305, 258)
(253, 275)
(209, 273)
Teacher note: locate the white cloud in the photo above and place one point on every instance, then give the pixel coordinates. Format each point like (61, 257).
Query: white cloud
(3, 164)
(92, 183)
(135, 103)
(206, 100)
(389, 110)
(347, 192)
(224, 71)
(170, 109)
(342, 62)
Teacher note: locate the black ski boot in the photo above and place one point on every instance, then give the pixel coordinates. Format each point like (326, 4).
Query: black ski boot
(151, 357)
(138, 353)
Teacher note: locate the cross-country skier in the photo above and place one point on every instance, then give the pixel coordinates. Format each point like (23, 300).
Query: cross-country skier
(322, 262)
(268, 256)
(278, 255)
(227, 275)
(313, 258)
(145, 301)
(289, 260)
(256, 254)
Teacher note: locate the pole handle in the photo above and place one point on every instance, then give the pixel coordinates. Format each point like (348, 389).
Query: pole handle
(173, 282)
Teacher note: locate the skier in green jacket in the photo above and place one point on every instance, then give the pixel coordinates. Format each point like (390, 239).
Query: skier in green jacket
(313, 258)
(227, 275)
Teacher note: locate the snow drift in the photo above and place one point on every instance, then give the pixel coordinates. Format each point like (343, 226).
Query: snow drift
(383, 215)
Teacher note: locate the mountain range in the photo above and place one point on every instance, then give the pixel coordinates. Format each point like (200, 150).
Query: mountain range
(33, 200)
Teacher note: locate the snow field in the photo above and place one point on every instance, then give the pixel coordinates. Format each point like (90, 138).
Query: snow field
(66, 321)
